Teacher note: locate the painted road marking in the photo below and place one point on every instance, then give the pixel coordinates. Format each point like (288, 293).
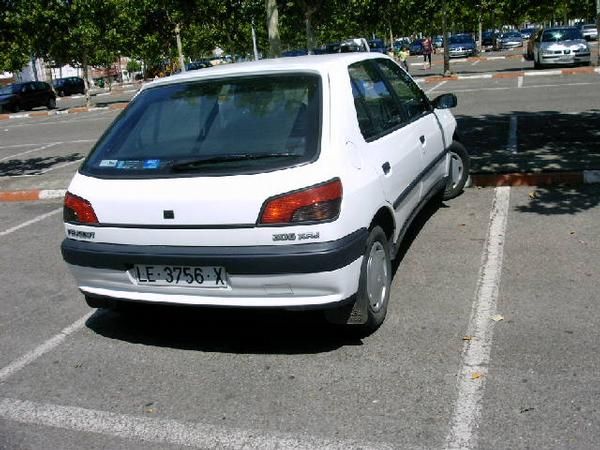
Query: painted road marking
(520, 82)
(542, 73)
(76, 141)
(512, 135)
(45, 347)
(163, 431)
(26, 224)
(476, 77)
(476, 62)
(39, 149)
(476, 352)
(436, 86)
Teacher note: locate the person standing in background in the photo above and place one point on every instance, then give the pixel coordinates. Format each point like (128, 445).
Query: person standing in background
(427, 50)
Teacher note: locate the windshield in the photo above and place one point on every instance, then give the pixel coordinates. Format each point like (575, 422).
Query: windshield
(512, 35)
(566, 34)
(10, 89)
(222, 127)
(461, 39)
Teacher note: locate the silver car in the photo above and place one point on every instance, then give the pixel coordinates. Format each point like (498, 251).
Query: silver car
(589, 32)
(560, 45)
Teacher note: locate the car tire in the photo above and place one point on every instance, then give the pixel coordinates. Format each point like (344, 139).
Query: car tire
(460, 166)
(51, 103)
(375, 280)
(16, 108)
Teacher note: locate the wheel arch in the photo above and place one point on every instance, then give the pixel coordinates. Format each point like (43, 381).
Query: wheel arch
(385, 219)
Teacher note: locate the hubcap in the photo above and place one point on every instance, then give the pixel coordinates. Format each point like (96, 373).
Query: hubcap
(377, 276)
(457, 169)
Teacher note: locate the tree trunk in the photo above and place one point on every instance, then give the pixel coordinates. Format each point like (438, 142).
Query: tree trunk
(446, 37)
(598, 28)
(309, 34)
(273, 28)
(86, 81)
(179, 47)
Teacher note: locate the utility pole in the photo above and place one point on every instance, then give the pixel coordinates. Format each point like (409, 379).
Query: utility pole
(179, 49)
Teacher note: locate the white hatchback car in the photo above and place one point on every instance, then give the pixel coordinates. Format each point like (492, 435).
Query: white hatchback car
(284, 183)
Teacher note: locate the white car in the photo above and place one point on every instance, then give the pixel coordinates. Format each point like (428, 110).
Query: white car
(283, 183)
(560, 45)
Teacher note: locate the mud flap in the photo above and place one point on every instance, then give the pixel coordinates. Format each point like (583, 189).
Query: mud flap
(352, 312)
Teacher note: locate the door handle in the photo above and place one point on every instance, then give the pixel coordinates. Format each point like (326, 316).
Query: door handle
(386, 167)
(422, 139)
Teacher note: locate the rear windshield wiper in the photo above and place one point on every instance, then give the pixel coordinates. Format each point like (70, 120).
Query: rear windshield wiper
(199, 162)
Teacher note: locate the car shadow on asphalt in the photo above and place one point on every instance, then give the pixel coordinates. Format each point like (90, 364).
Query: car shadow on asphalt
(222, 330)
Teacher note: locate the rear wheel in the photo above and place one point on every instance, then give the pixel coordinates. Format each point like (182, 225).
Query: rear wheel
(375, 280)
(16, 108)
(51, 103)
(460, 166)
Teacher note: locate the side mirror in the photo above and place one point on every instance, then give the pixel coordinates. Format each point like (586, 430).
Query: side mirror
(445, 101)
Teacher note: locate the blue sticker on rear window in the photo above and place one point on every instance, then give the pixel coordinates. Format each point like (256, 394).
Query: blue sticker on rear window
(151, 163)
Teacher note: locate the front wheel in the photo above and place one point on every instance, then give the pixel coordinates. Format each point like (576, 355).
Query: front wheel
(51, 103)
(460, 166)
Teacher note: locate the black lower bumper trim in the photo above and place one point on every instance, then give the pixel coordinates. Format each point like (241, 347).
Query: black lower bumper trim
(251, 260)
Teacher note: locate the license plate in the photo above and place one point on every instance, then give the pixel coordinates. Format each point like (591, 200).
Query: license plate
(205, 276)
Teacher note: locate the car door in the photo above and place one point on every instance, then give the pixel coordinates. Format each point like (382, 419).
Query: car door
(421, 121)
(391, 146)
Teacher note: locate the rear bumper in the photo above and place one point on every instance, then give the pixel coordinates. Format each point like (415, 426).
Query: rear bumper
(301, 275)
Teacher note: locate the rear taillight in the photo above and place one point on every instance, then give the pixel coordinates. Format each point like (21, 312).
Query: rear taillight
(78, 210)
(318, 203)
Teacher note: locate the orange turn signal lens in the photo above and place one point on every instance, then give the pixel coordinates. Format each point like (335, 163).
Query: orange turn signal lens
(318, 203)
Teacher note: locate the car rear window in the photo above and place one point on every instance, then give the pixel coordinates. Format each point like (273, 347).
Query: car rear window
(213, 127)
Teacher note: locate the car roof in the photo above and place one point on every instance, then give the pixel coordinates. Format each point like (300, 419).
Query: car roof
(322, 64)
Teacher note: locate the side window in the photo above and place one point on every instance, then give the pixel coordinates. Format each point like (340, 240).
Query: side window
(376, 108)
(413, 100)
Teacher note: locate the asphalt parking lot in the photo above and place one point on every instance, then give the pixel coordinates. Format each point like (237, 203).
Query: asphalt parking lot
(490, 341)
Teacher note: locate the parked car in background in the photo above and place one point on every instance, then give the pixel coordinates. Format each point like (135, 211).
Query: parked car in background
(560, 45)
(283, 183)
(197, 65)
(461, 45)
(416, 47)
(510, 39)
(28, 95)
(589, 32)
(488, 39)
(69, 86)
(377, 45)
(526, 33)
(438, 41)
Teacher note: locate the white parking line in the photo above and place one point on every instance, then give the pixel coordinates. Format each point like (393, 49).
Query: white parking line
(483, 76)
(44, 348)
(164, 431)
(30, 222)
(39, 149)
(441, 83)
(520, 82)
(512, 135)
(476, 62)
(75, 141)
(533, 73)
(476, 351)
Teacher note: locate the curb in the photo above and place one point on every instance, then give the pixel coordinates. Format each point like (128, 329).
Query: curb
(114, 106)
(521, 73)
(31, 195)
(537, 179)
(481, 180)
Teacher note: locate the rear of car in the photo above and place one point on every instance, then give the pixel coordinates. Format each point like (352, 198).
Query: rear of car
(278, 183)
(589, 32)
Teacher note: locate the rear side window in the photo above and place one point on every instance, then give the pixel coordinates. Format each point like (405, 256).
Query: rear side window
(218, 127)
(376, 108)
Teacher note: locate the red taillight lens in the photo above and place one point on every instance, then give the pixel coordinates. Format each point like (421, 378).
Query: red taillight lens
(78, 210)
(314, 204)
